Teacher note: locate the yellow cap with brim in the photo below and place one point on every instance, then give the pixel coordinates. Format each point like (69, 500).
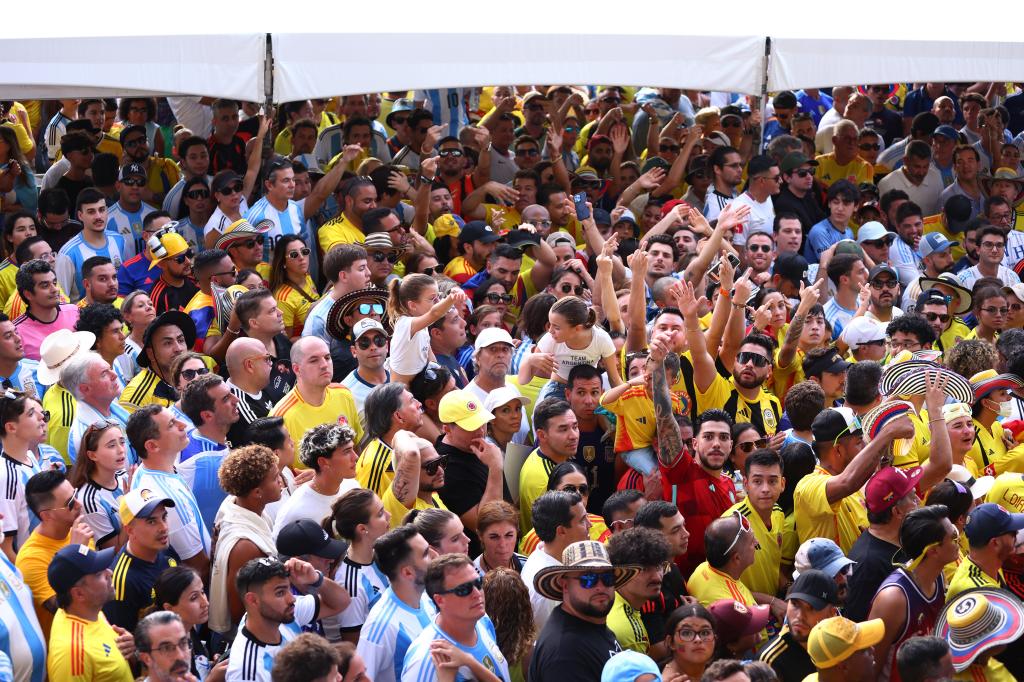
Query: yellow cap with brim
(463, 409)
(834, 640)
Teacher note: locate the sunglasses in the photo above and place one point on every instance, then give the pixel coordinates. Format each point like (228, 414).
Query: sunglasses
(744, 528)
(877, 243)
(541, 223)
(399, 120)
(69, 505)
(498, 298)
(763, 248)
(571, 129)
(752, 445)
(569, 288)
(380, 257)
(231, 189)
(804, 172)
(188, 255)
(668, 148)
(876, 342)
(191, 374)
(464, 589)
(367, 308)
(588, 581)
(528, 152)
(249, 243)
(377, 340)
(756, 358)
(304, 251)
(134, 182)
(932, 317)
(227, 273)
(992, 310)
(430, 468)
(432, 270)
(582, 489)
(869, 147)
(445, 153)
(880, 284)
(198, 194)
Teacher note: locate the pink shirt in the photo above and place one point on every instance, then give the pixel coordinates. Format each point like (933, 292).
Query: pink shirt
(33, 331)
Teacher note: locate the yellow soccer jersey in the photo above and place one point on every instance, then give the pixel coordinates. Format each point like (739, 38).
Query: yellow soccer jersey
(84, 651)
(970, 575)
(339, 231)
(989, 451)
(763, 412)
(763, 575)
(628, 627)
(842, 522)
(708, 585)
(374, 469)
(635, 410)
(62, 407)
(856, 171)
(459, 269)
(533, 482)
(299, 416)
(146, 388)
(399, 510)
(295, 305)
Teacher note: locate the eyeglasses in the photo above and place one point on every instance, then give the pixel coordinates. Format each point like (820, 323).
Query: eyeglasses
(380, 257)
(367, 308)
(134, 182)
(582, 489)
(445, 153)
(191, 374)
(668, 148)
(756, 358)
(304, 251)
(430, 468)
(763, 248)
(991, 245)
(569, 288)
(588, 581)
(540, 223)
(265, 357)
(571, 129)
(804, 172)
(880, 284)
(231, 189)
(869, 147)
(188, 255)
(138, 110)
(750, 446)
(198, 194)
(528, 152)
(169, 648)
(498, 298)
(992, 310)
(932, 317)
(364, 343)
(744, 527)
(464, 589)
(687, 635)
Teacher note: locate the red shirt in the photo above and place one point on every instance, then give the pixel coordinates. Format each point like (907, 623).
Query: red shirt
(700, 497)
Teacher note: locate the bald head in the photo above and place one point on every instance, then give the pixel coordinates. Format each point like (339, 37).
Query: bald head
(718, 536)
(535, 212)
(308, 345)
(241, 349)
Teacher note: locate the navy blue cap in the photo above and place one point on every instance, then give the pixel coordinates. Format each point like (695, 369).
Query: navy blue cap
(478, 231)
(989, 520)
(305, 536)
(74, 562)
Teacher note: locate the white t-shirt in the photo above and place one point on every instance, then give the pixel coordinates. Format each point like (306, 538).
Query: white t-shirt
(600, 347)
(542, 606)
(971, 275)
(761, 218)
(410, 352)
(306, 503)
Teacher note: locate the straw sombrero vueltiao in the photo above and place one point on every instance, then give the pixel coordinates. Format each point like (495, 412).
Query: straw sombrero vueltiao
(579, 557)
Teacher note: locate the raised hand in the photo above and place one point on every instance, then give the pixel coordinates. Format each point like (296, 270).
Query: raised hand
(652, 179)
(620, 139)
(689, 304)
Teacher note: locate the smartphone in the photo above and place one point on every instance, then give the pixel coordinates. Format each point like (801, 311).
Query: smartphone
(582, 212)
(716, 265)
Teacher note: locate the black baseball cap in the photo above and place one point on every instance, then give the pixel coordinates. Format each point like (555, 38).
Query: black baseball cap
(958, 212)
(74, 562)
(931, 296)
(815, 588)
(478, 231)
(832, 363)
(791, 266)
(305, 536)
(522, 238)
(784, 100)
(880, 269)
(833, 422)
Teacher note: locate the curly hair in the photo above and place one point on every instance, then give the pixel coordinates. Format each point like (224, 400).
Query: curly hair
(969, 357)
(642, 546)
(245, 468)
(321, 441)
(508, 605)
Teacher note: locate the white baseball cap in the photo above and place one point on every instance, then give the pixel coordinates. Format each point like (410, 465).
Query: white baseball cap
(367, 324)
(491, 336)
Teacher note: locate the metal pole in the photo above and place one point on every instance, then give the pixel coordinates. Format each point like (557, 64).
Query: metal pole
(764, 90)
(268, 92)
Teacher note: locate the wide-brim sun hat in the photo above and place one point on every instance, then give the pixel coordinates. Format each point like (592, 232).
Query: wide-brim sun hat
(948, 279)
(983, 384)
(242, 229)
(978, 620)
(335, 323)
(580, 557)
(58, 349)
(909, 377)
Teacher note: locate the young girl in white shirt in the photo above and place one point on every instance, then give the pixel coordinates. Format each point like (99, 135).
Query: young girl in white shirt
(413, 305)
(572, 339)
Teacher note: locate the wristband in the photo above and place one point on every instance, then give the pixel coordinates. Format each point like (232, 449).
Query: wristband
(424, 178)
(319, 581)
(724, 293)
(734, 304)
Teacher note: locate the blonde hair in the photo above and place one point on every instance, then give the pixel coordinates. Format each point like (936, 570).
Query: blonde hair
(400, 292)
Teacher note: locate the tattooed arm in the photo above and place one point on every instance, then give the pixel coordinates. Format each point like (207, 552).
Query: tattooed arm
(670, 441)
(808, 297)
(407, 468)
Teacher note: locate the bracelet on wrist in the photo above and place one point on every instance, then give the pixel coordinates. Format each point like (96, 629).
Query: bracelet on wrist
(424, 178)
(319, 581)
(734, 304)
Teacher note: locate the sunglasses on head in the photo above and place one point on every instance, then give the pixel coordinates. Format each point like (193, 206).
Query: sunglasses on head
(231, 189)
(498, 298)
(569, 288)
(188, 255)
(430, 468)
(134, 182)
(191, 374)
(582, 489)
(588, 581)
(752, 445)
(380, 257)
(465, 589)
(756, 358)
(367, 308)
(450, 152)
(364, 342)
(744, 528)
(304, 251)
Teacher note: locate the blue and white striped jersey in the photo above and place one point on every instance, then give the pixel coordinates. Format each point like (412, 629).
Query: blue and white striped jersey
(288, 221)
(17, 520)
(128, 224)
(448, 107)
(100, 507)
(189, 534)
(251, 660)
(419, 664)
(199, 462)
(389, 630)
(78, 251)
(21, 638)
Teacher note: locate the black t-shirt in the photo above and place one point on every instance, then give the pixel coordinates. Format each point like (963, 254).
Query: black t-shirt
(874, 559)
(571, 650)
(886, 123)
(249, 410)
(465, 479)
(787, 658)
(282, 378)
(596, 454)
(58, 238)
(808, 209)
(73, 187)
(166, 297)
(229, 156)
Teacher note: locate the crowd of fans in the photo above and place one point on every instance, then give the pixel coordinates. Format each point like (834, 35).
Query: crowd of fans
(514, 384)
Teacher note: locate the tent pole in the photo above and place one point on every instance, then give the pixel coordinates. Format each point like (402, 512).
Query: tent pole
(764, 90)
(268, 89)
